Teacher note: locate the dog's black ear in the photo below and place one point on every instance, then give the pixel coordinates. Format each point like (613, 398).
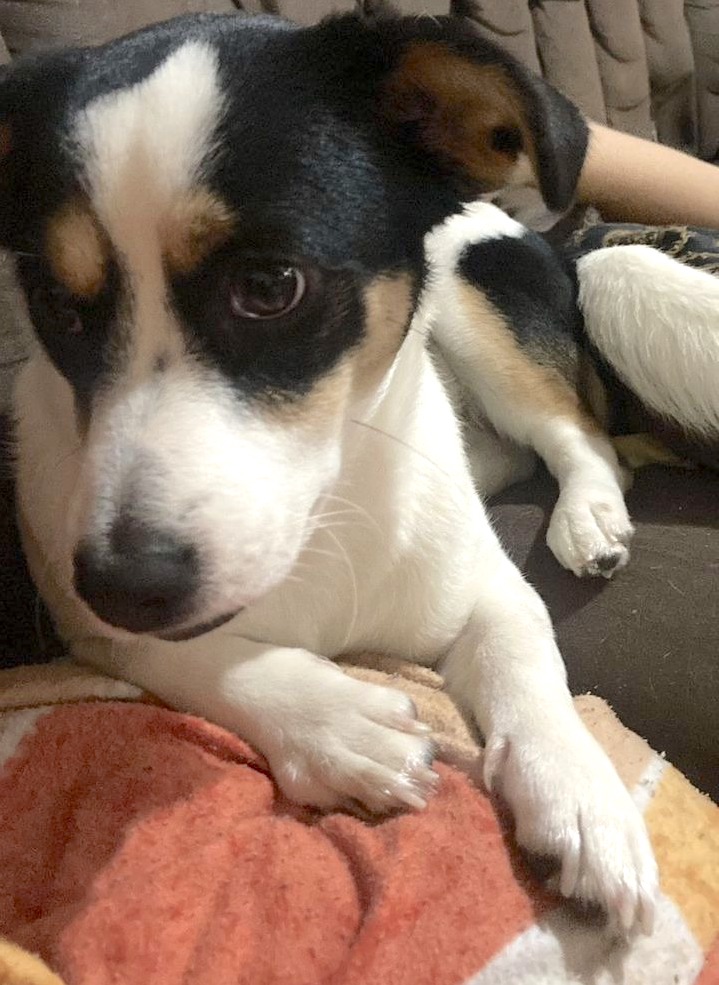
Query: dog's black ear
(7, 142)
(32, 95)
(481, 115)
(16, 91)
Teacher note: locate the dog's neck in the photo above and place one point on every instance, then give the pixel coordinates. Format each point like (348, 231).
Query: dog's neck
(388, 531)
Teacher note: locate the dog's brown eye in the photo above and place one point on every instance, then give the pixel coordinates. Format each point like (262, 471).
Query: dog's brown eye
(267, 291)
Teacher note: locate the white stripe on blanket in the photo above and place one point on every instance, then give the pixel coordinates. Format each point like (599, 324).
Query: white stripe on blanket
(560, 950)
(14, 726)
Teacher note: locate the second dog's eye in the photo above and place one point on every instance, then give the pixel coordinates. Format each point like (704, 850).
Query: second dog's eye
(56, 307)
(266, 291)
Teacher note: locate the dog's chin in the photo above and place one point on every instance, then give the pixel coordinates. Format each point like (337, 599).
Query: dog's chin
(185, 633)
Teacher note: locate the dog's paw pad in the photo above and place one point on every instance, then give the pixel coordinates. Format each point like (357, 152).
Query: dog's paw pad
(606, 564)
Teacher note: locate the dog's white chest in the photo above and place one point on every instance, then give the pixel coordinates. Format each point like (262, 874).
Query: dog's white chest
(391, 563)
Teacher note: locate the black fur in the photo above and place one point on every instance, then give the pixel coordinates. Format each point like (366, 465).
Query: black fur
(535, 292)
(81, 356)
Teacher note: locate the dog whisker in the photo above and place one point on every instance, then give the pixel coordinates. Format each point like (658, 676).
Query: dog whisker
(334, 513)
(357, 508)
(322, 553)
(355, 594)
(337, 525)
(404, 444)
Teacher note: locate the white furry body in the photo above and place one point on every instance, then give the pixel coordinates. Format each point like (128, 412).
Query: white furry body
(351, 529)
(413, 569)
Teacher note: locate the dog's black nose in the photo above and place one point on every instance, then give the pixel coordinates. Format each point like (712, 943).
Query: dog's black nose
(143, 580)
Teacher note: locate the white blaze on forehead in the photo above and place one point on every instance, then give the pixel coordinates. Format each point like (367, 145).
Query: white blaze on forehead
(145, 144)
(144, 147)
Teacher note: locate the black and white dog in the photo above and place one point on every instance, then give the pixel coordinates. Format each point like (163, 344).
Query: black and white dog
(237, 455)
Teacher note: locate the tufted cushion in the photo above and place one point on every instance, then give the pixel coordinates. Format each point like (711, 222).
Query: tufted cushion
(639, 65)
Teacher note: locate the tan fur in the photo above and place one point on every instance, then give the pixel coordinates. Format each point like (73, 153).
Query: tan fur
(541, 389)
(318, 411)
(77, 249)
(640, 450)
(459, 106)
(388, 308)
(198, 223)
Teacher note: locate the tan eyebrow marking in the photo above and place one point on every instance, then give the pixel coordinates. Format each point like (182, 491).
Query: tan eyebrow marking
(77, 249)
(198, 223)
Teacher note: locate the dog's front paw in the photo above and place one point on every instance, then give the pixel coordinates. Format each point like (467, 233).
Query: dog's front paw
(570, 805)
(353, 742)
(590, 530)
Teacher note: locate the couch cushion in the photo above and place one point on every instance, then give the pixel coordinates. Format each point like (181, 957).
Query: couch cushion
(31, 26)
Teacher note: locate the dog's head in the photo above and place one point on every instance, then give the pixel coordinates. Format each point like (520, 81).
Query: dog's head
(218, 225)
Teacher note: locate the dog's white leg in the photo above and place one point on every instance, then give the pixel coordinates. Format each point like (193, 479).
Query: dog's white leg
(328, 738)
(590, 530)
(566, 797)
(496, 463)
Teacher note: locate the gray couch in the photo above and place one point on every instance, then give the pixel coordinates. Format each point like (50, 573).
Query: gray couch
(649, 641)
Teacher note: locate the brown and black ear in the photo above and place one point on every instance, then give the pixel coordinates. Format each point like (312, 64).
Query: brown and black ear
(481, 115)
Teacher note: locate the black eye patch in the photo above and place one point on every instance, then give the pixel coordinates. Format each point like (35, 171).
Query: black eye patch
(74, 331)
(271, 325)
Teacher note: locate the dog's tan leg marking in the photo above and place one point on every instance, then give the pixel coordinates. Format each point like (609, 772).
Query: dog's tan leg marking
(513, 373)
(536, 405)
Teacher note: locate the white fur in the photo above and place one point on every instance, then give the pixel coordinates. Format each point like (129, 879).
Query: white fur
(429, 577)
(145, 143)
(656, 321)
(392, 550)
(590, 521)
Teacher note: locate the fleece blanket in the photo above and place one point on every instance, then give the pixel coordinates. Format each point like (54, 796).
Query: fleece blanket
(143, 846)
